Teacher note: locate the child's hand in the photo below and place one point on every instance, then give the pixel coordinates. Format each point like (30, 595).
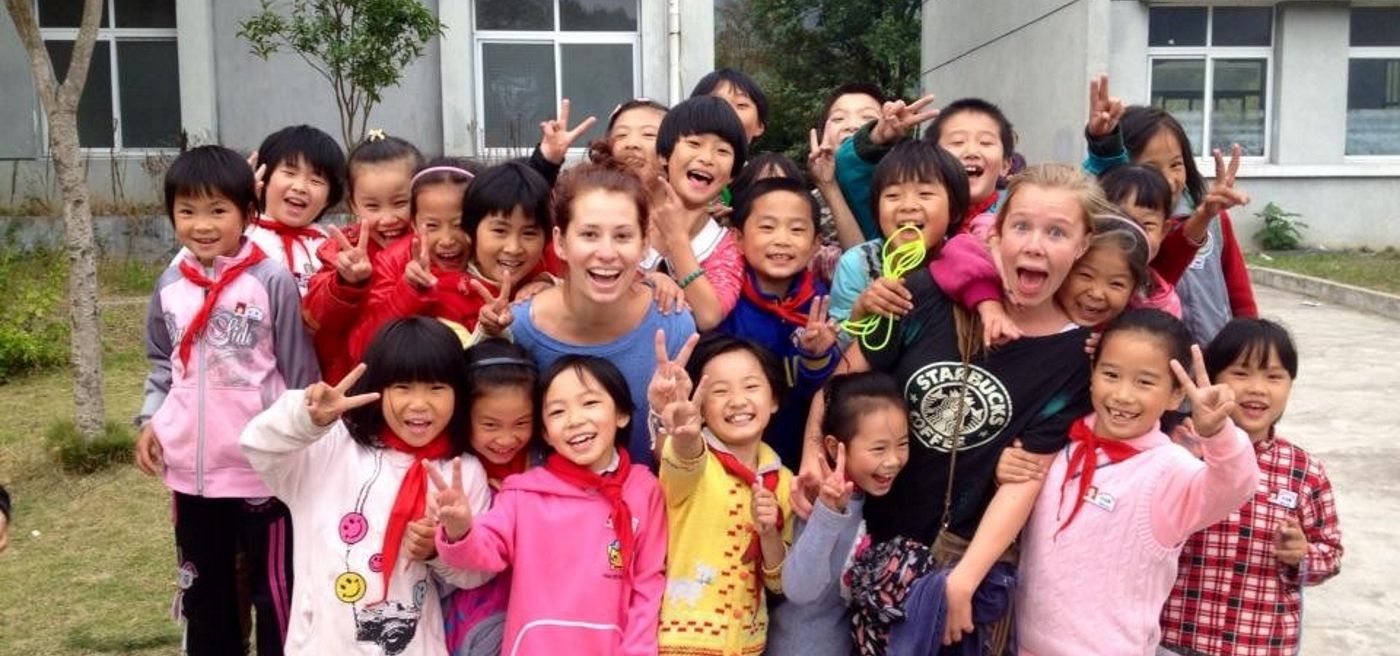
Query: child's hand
(669, 383)
(765, 511)
(453, 510)
(886, 297)
(150, 458)
(556, 137)
(418, 541)
(669, 296)
(496, 315)
(668, 221)
(997, 327)
(681, 418)
(326, 403)
(528, 290)
(718, 210)
(959, 617)
(1016, 465)
(1222, 194)
(352, 263)
(897, 119)
(821, 161)
(1290, 544)
(806, 486)
(1104, 111)
(1092, 343)
(419, 271)
(816, 339)
(1211, 405)
(258, 171)
(836, 490)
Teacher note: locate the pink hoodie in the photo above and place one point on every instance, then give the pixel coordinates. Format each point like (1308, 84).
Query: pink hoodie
(557, 542)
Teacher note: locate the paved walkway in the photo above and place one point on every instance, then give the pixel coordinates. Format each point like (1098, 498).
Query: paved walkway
(1345, 409)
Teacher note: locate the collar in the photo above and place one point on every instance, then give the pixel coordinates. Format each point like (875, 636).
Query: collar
(702, 244)
(612, 464)
(767, 458)
(221, 262)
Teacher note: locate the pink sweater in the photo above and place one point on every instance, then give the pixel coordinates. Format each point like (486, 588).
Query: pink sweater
(1098, 587)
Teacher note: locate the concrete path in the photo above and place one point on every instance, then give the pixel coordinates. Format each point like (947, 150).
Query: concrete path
(1345, 409)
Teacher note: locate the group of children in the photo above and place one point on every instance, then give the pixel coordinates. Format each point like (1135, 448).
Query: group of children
(574, 410)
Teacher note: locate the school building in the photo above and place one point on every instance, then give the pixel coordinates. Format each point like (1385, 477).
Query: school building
(1310, 89)
(162, 68)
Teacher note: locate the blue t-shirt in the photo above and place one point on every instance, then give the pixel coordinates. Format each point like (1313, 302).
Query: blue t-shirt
(634, 354)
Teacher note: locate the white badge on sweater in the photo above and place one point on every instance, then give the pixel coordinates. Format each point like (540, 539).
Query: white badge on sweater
(1286, 498)
(1103, 500)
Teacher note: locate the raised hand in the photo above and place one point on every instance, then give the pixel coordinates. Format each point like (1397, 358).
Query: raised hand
(805, 487)
(1222, 194)
(326, 403)
(454, 512)
(816, 338)
(1290, 544)
(765, 511)
(495, 315)
(418, 543)
(897, 119)
(1104, 111)
(668, 220)
(821, 161)
(682, 421)
(258, 172)
(419, 271)
(835, 489)
(150, 459)
(1211, 405)
(670, 382)
(352, 263)
(556, 137)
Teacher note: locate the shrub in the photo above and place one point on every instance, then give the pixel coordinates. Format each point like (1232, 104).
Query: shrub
(1281, 231)
(77, 456)
(34, 325)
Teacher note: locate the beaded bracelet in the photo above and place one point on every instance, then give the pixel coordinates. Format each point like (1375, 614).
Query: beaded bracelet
(694, 275)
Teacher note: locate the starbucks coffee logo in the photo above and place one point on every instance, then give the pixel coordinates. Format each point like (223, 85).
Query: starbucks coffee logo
(933, 402)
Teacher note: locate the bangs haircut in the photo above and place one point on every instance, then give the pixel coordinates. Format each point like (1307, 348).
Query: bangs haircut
(919, 161)
(737, 80)
(607, 376)
(381, 150)
(975, 106)
(848, 89)
(701, 115)
(211, 172)
(1141, 123)
(1143, 186)
(1128, 239)
(1251, 341)
(715, 344)
(1171, 334)
(308, 146)
(463, 180)
(600, 150)
(584, 178)
(758, 168)
(849, 397)
(405, 351)
(496, 364)
(502, 188)
(766, 186)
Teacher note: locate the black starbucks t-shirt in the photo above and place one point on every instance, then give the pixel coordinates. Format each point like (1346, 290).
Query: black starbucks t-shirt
(1032, 388)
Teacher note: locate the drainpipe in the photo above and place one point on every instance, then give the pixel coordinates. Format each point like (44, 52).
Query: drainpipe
(673, 49)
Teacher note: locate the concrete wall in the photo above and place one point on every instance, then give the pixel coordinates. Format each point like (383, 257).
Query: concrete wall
(1340, 212)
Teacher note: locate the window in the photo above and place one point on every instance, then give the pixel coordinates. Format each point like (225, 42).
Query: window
(1209, 67)
(532, 53)
(132, 95)
(1373, 83)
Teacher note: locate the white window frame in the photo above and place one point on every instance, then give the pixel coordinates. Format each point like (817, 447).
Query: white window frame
(1369, 52)
(1209, 54)
(111, 35)
(556, 37)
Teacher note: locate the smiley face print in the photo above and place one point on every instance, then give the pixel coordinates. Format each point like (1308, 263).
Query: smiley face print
(349, 587)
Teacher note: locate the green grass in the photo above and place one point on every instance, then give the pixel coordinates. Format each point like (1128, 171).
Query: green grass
(1378, 270)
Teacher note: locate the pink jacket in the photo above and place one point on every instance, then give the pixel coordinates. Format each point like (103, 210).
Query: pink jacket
(254, 347)
(556, 540)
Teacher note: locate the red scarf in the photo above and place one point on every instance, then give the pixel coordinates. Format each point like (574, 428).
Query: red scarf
(978, 210)
(788, 308)
(412, 498)
(290, 235)
(739, 470)
(495, 473)
(610, 486)
(1084, 461)
(212, 289)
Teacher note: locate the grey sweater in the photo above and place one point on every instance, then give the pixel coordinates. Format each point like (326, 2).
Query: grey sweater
(815, 620)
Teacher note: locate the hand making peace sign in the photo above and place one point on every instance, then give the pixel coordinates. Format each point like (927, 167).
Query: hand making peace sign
(897, 119)
(816, 338)
(1211, 405)
(1222, 194)
(419, 271)
(1104, 111)
(454, 512)
(836, 490)
(495, 315)
(670, 383)
(556, 137)
(352, 263)
(326, 403)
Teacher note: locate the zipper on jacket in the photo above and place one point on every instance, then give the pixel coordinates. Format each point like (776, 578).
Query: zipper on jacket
(199, 415)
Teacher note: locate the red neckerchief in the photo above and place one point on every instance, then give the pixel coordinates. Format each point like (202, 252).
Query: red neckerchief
(211, 295)
(495, 473)
(1084, 460)
(412, 498)
(981, 208)
(610, 486)
(739, 470)
(789, 308)
(290, 235)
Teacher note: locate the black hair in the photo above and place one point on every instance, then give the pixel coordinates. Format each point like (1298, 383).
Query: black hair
(502, 188)
(766, 186)
(740, 82)
(1250, 340)
(600, 150)
(975, 106)
(848, 89)
(1143, 185)
(411, 350)
(495, 364)
(211, 171)
(612, 381)
(703, 115)
(1169, 330)
(852, 396)
(1127, 237)
(1141, 123)
(919, 161)
(715, 344)
(421, 179)
(758, 166)
(377, 149)
(311, 147)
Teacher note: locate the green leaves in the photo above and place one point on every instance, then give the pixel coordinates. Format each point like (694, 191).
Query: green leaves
(1281, 231)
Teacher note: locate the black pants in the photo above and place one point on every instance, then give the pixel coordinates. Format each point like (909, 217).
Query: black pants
(209, 536)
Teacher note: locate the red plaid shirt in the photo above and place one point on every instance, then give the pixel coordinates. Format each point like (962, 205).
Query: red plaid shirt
(1232, 596)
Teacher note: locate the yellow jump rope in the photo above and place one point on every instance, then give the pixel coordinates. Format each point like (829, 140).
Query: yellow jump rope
(895, 261)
